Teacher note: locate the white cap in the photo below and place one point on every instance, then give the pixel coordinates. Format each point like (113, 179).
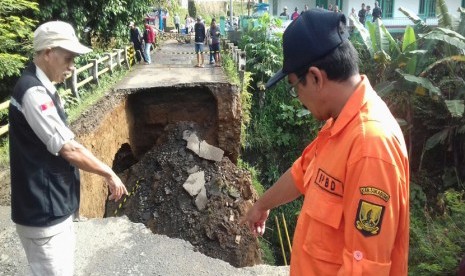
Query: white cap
(58, 34)
(131, 24)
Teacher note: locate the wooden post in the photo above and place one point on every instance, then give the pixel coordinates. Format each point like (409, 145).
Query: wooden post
(242, 61)
(95, 70)
(74, 88)
(234, 52)
(118, 56)
(110, 62)
(126, 57)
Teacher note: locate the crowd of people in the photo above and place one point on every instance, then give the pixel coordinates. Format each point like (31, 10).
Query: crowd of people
(207, 36)
(143, 42)
(365, 13)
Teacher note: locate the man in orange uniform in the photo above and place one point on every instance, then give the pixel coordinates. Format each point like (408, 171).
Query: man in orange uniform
(354, 175)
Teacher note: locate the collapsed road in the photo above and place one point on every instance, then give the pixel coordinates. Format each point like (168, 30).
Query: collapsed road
(172, 133)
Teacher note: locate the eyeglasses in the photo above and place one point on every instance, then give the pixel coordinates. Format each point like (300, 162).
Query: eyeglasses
(292, 87)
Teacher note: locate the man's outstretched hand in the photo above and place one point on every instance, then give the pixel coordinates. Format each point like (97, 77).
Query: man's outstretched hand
(117, 188)
(256, 220)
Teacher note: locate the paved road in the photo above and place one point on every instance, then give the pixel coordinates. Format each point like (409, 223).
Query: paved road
(171, 66)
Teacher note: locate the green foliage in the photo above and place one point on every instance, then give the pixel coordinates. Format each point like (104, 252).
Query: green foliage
(4, 153)
(436, 240)
(267, 252)
(290, 212)
(106, 20)
(192, 9)
(280, 127)
(15, 35)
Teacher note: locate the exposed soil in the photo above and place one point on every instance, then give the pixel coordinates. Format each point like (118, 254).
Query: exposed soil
(158, 199)
(5, 187)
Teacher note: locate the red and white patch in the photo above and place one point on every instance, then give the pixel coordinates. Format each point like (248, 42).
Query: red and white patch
(46, 106)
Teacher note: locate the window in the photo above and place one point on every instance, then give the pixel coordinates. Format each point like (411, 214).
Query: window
(427, 8)
(322, 3)
(463, 3)
(387, 6)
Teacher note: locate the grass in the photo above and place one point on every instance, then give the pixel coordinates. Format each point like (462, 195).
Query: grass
(94, 93)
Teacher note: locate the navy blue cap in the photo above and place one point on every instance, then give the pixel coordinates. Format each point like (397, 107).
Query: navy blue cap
(313, 35)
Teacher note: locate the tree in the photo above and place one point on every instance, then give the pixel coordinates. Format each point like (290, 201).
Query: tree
(104, 22)
(15, 35)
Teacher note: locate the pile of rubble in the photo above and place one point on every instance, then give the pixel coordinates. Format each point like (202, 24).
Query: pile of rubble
(185, 188)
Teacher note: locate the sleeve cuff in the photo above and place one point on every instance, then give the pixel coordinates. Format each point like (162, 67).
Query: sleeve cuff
(62, 136)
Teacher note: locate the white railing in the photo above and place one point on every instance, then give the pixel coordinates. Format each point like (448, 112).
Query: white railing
(117, 58)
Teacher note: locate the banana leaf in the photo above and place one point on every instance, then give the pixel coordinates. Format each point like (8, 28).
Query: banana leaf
(419, 23)
(446, 37)
(455, 107)
(393, 48)
(444, 18)
(409, 44)
(421, 81)
(437, 139)
(372, 31)
(364, 34)
(457, 58)
(384, 88)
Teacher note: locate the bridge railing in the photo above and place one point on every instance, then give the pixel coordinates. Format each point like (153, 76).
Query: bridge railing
(97, 67)
(238, 56)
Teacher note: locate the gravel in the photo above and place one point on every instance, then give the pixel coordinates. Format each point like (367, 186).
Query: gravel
(116, 246)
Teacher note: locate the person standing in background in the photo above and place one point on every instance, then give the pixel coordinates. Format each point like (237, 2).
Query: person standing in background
(362, 14)
(200, 34)
(44, 157)
(368, 15)
(149, 38)
(214, 33)
(377, 12)
(295, 14)
(136, 39)
(305, 9)
(177, 21)
(284, 13)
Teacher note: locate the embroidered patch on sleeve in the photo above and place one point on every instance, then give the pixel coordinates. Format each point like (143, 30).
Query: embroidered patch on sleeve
(369, 218)
(45, 106)
(376, 192)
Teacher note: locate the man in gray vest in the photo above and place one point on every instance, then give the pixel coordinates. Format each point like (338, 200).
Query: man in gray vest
(45, 158)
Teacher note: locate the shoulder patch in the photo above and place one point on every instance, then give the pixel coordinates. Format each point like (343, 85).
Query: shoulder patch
(45, 106)
(376, 192)
(369, 218)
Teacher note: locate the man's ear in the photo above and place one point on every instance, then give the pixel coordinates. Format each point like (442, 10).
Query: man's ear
(317, 75)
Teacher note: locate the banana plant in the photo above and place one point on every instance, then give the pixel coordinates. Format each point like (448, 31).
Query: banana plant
(448, 41)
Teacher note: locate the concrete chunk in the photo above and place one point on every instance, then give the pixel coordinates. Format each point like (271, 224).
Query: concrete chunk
(201, 199)
(193, 142)
(194, 183)
(210, 152)
(202, 148)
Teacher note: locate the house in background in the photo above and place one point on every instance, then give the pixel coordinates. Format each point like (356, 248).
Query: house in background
(392, 17)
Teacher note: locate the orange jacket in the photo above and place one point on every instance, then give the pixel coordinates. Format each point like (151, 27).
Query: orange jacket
(355, 178)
